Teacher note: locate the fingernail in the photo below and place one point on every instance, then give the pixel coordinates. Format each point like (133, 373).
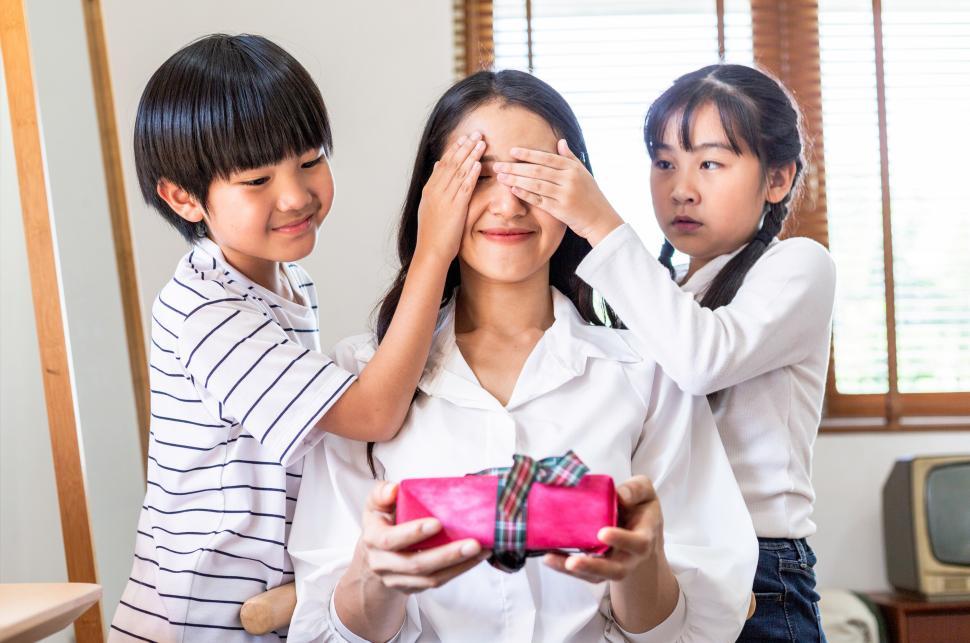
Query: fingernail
(501, 176)
(429, 527)
(514, 151)
(624, 494)
(469, 548)
(601, 535)
(479, 145)
(462, 140)
(388, 490)
(571, 563)
(476, 135)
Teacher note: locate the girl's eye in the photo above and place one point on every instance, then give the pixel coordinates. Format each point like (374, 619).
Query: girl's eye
(710, 165)
(260, 181)
(313, 163)
(661, 164)
(483, 178)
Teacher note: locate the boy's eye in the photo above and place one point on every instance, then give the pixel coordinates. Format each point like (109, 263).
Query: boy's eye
(661, 164)
(259, 181)
(483, 178)
(313, 163)
(710, 165)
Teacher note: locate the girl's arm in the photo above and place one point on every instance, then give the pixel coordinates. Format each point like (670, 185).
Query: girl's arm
(775, 320)
(374, 406)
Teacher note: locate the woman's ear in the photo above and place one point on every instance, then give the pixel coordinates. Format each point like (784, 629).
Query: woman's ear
(780, 180)
(182, 203)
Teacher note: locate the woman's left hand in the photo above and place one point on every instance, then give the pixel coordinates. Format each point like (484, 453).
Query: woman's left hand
(562, 186)
(635, 544)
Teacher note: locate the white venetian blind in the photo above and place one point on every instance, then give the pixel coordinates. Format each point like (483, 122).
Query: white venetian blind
(610, 59)
(926, 54)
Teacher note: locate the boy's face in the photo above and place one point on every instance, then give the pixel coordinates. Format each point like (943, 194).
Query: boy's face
(264, 215)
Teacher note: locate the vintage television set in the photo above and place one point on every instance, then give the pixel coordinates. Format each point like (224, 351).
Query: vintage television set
(926, 525)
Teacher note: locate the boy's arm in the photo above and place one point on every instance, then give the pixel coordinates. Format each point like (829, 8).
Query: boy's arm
(375, 405)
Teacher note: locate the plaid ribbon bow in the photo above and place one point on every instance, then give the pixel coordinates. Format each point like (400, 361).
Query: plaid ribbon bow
(514, 483)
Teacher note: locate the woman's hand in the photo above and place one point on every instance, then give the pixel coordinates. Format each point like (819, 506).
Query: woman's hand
(562, 186)
(444, 199)
(370, 597)
(383, 547)
(643, 589)
(636, 542)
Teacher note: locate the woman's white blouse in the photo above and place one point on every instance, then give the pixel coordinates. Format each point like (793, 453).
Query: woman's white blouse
(582, 388)
(767, 352)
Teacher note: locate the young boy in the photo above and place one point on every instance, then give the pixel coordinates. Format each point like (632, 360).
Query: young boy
(231, 147)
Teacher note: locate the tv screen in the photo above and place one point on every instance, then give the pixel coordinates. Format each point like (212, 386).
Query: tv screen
(948, 513)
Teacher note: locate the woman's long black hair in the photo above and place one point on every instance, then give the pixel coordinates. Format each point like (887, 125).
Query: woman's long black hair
(512, 88)
(754, 108)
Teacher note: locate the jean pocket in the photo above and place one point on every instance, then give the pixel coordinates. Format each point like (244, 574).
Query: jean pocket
(796, 567)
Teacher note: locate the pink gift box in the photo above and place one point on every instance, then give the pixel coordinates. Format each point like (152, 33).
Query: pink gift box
(557, 517)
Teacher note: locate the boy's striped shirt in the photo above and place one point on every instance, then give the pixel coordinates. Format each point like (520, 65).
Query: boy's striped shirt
(238, 384)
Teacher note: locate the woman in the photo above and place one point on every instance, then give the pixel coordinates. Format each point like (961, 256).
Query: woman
(522, 363)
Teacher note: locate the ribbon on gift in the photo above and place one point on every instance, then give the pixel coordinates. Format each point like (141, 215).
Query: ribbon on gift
(514, 483)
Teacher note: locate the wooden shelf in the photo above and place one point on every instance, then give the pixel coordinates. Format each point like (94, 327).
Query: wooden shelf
(32, 611)
(913, 619)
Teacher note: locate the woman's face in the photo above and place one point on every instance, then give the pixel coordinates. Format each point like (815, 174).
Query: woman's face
(506, 240)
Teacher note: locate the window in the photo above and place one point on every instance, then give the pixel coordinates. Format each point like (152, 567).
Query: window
(883, 86)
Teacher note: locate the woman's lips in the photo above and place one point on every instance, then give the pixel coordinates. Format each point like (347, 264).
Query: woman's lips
(507, 235)
(686, 224)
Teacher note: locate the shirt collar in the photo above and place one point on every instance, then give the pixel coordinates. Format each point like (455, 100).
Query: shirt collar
(561, 354)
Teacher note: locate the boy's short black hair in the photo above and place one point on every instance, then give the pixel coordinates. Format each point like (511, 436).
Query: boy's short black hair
(219, 105)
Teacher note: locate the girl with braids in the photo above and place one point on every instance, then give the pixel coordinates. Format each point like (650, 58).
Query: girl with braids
(747, 323)
(521, 363)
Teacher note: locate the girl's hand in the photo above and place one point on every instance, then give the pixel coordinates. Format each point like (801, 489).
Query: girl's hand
(382, 546)
(444, 199)
(562, 186)
(635, 545)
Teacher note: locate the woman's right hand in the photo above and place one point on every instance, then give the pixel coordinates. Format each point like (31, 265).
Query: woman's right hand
(445, 197)
(382, 548)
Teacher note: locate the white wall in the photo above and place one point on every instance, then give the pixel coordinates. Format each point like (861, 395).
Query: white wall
(849, 471)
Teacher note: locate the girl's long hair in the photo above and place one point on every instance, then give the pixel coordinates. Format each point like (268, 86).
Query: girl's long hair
(754, 108)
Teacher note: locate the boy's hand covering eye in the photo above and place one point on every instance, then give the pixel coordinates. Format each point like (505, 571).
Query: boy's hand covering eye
(445, 198)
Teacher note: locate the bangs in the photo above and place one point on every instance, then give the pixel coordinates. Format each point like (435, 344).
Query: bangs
(738, 115)
(224, 104)
(255, 113)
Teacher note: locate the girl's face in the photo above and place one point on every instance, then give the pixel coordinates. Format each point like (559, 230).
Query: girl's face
(506, 240)
(708, 201)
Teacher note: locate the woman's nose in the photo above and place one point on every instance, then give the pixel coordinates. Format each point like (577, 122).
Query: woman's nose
(504, 203)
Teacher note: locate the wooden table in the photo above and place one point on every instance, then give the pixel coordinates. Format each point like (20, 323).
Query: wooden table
(912, 619)
(32, 611)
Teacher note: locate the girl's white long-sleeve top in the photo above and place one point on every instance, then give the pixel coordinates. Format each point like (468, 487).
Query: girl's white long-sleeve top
(582, 388)
(767, 353)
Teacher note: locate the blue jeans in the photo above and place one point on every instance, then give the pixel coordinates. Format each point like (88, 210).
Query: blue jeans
(784, 587)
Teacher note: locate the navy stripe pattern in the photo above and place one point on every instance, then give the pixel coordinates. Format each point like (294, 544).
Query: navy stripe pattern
(238, 383)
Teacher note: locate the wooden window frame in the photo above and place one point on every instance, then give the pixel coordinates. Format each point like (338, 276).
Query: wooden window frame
(785, 42)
